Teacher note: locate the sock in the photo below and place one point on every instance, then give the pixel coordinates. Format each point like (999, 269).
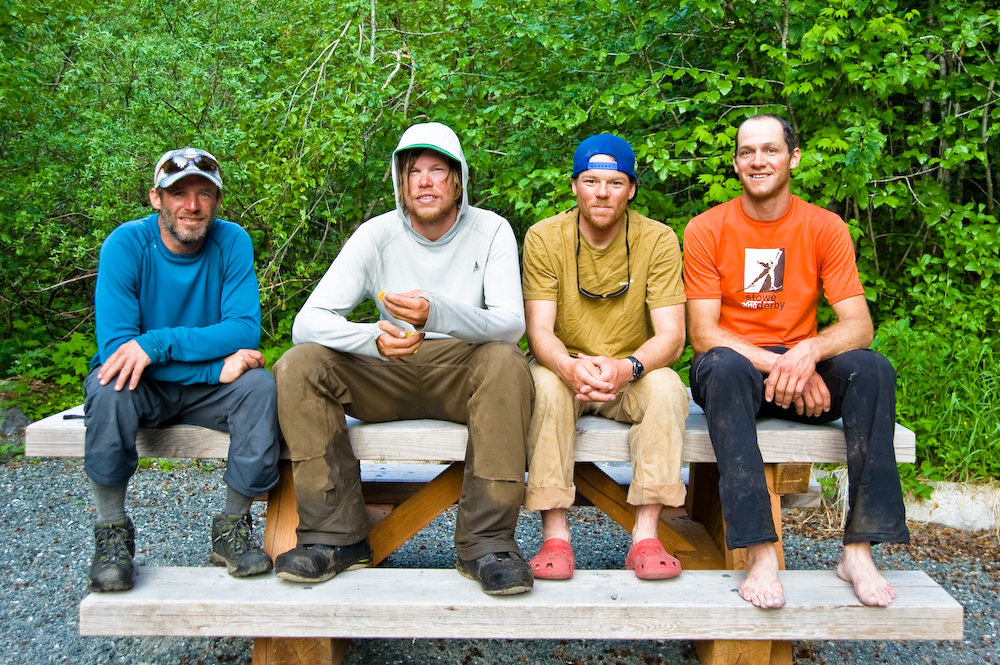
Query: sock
(110, 501)
(236, 503)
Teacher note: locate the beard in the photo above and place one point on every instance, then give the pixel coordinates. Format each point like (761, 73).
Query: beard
(604, 220)
(431, 216)
(186, 236)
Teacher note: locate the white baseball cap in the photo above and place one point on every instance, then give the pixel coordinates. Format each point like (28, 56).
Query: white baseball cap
(176, 164)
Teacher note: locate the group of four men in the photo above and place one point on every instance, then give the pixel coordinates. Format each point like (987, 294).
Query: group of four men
(603, 301)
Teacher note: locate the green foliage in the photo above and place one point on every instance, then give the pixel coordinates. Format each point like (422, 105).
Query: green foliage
(60, 367)
(913, 482)
(949, 394)
(11, 451)
(828, 488)
(895, 104)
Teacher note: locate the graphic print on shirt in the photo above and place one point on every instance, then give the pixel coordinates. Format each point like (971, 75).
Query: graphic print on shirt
(763, 275)
(763, 270)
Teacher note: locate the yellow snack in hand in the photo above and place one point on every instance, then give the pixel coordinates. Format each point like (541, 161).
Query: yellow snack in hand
(380, 294)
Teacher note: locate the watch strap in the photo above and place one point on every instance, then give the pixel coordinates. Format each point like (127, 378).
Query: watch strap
(637, 368)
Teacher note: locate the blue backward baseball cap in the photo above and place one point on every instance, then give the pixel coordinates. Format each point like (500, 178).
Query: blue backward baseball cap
(604, 144)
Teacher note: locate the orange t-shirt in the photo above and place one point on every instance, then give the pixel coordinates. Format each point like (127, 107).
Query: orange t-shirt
(769, 275)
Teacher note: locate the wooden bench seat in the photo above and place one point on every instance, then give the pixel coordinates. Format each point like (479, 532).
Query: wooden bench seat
(597, 440)
(597, 604)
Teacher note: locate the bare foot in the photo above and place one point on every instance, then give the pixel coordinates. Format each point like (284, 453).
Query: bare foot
(761, 586)
(858, 568)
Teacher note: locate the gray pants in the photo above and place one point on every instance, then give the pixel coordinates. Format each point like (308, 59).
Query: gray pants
(246, 408)
(488, 386)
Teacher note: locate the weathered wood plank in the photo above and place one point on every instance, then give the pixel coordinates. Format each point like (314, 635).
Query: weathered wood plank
(401, 603)
(730, 652)
(597, 440)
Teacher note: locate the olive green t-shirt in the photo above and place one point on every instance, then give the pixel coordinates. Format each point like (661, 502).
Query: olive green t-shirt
(613, 327)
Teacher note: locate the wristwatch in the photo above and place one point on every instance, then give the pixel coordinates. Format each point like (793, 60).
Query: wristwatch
(637, 368)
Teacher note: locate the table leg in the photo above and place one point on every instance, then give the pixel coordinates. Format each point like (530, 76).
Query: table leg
(416, 512)
(279, 537)
(705, 506)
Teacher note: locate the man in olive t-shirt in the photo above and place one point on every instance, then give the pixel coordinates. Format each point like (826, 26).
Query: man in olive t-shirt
(604, 304)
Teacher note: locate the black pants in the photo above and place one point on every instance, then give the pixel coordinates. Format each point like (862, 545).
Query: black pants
(862, 387)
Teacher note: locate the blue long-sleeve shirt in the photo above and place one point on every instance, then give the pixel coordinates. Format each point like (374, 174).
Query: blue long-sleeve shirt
(187, 311)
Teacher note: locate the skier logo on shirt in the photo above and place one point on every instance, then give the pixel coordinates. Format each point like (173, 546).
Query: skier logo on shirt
(763, 279)
(763, 270)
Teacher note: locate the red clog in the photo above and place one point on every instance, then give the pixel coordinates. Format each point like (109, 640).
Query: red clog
(555, 561)
(650, 561)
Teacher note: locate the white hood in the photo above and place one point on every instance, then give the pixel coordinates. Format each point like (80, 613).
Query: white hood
(439, 138)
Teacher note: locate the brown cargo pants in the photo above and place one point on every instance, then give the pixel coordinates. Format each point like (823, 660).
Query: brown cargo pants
(486, 386)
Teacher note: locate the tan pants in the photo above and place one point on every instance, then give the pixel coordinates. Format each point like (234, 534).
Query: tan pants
(657, 407)
(487, 386)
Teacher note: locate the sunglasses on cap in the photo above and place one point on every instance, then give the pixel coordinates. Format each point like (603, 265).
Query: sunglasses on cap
(178, 163)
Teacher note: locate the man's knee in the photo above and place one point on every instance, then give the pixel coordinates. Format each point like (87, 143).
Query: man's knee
(722, 368)
(659, 394)
(256, 387)
(299, 362)
(866, 361)
(503, 365)
(664, 384)
(867, 372)
(105, 399)
(551, 392)
(723, 361)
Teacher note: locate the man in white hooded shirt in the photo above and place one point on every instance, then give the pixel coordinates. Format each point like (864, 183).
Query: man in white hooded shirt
(446, 281)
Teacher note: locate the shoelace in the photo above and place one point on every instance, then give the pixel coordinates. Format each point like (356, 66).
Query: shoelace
(237, 535)
(114, 545)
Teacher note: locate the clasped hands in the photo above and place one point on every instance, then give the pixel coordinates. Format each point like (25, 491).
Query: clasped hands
(595, 378)
(793, 380)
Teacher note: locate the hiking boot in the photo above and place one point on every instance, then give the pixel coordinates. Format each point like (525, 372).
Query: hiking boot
(498, 573)
(233, 546)
(113, 568)
(318, 563)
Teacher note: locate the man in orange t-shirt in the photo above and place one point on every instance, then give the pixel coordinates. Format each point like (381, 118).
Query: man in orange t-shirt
(754, 269)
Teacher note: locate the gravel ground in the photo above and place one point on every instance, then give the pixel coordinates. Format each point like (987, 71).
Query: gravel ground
(46, 540)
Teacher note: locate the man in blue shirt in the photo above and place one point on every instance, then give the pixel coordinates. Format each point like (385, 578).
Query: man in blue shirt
(178, 324)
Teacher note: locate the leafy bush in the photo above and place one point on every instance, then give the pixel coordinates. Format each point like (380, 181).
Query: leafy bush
(949, 394)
